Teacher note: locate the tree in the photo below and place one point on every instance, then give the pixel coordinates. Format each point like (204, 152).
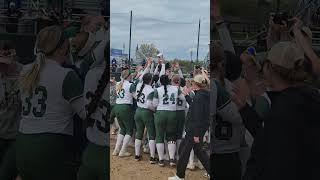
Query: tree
(146, 50)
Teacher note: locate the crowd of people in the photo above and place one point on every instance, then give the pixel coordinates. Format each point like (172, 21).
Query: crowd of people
(54, 111)
(155, 106)
(262, 114)
(265, 106)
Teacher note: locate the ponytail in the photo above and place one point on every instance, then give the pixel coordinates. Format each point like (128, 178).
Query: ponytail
(164, 80)
(31, 78)
(165, 89)
(48, 40)
(140, 91)
(125, 74)
(119, 86)
(92, 106)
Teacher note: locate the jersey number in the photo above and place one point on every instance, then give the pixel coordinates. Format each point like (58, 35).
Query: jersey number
(142, 97)
(39, 109)
(105, 108)
(179, 102)
(166, 98)
(121, 94)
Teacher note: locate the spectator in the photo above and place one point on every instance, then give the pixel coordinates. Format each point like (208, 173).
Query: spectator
(287, 143)
(196, 125)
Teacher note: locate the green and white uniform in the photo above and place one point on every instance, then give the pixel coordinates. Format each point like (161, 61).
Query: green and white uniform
(165, 118)
(123, 112)
(47, 124)
(10, 115)
(143, 115)
(144, 118)
(181, 116)
(122, 108)
(95, 161)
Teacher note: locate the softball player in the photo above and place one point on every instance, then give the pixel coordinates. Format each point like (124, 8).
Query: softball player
(123, 112)
(165, 99)
(181, 110)
(144, 116)
(48, 105)
(96, 156)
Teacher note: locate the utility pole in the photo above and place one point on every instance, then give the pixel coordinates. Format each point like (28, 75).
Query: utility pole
(130, 37)
(198, 40)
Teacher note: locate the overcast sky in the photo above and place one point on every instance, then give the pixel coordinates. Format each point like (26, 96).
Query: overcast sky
(171, 25)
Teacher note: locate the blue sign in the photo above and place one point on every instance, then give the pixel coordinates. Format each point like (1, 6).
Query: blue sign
(116, 52)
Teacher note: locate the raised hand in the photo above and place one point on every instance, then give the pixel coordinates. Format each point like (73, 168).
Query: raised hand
(297, 23)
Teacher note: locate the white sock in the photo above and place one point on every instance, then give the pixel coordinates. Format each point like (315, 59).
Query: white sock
(166, 149)
(137, 145)
(172, 149)
(119, 142)
(191, 158)
(126, 141)
(160, 149)
(178, 146)
(132, 140)
(152, 147)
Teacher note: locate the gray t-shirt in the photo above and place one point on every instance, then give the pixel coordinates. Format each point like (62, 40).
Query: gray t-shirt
(228, 129)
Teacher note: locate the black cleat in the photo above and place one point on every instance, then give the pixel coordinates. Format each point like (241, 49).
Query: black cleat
(172, 162)
(161, 163)
(153, 160)
(137, 158)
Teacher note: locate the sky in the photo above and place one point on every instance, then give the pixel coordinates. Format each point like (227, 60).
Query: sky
(171, 25)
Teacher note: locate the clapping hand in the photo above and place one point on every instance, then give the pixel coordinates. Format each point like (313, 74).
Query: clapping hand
(241, 93)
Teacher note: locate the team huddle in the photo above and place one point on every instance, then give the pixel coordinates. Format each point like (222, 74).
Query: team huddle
(154, 98)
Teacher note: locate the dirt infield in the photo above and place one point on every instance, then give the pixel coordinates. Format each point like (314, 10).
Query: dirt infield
(128, 169)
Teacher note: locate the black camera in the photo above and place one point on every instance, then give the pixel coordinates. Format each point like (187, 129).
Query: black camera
(279, 17)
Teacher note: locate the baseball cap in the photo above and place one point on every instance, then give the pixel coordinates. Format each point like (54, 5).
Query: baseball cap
(285, 54)
(200, 79)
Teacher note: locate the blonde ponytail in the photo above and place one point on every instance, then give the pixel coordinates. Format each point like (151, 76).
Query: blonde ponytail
(124, 75)
(47, 40)
(31, 78)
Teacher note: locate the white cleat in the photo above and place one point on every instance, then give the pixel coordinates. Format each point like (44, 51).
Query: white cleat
(115, 153)
(199, 165)
(124, 154)
(175, 178)
(206, 175)
(191, 166)
(146, 150)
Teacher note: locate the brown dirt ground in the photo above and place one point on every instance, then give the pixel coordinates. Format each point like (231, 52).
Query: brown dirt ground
(128, 169)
